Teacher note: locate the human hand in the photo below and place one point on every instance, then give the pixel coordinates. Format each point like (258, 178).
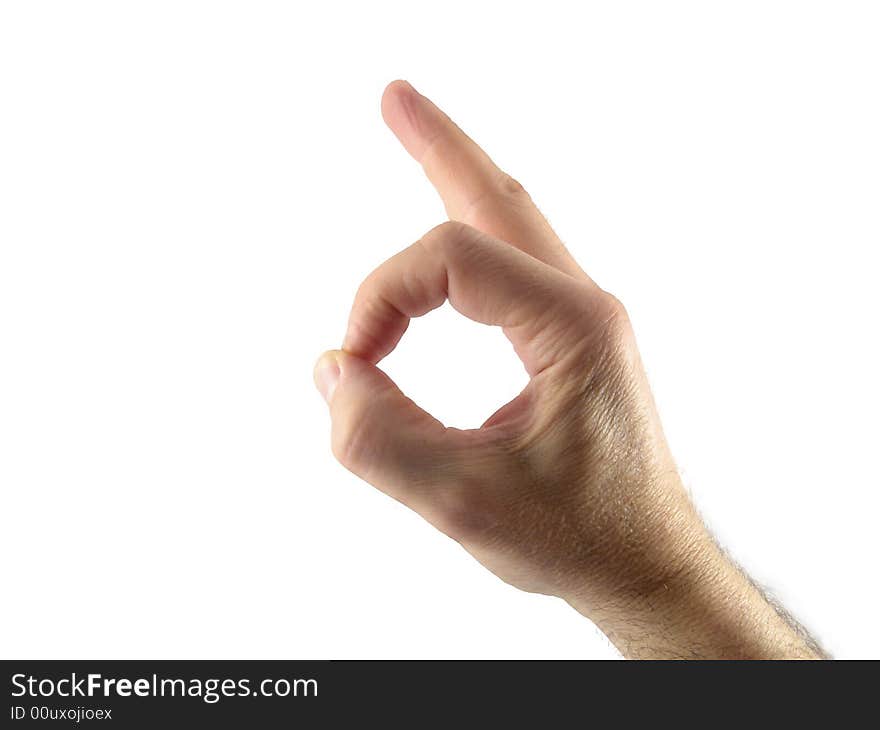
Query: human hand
(570, 488)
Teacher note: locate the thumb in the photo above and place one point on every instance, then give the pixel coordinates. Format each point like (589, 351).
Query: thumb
(378, 433)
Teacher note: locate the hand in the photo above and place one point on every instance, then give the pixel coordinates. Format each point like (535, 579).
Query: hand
(570, 488)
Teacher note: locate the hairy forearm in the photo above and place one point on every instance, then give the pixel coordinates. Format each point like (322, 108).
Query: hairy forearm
(702, 606)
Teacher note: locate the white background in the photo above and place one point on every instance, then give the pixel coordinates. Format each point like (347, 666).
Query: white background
(190, 194)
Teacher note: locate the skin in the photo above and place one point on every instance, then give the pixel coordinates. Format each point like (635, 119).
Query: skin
(569, 489)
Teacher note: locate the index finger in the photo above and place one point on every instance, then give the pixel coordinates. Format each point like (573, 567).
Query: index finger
(485, 280)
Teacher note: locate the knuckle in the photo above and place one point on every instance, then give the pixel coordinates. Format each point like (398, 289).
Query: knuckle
(618, 329)
(511, 187)
(447, 237)
(459, 518)
(617, 313)
(464, 509)
(502, 192)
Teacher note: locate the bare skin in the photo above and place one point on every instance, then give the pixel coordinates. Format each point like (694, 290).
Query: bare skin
(569, 489)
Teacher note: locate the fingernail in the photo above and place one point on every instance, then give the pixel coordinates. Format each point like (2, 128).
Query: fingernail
(327, 375)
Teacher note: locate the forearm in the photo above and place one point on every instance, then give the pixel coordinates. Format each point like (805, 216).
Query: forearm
(699, 606)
